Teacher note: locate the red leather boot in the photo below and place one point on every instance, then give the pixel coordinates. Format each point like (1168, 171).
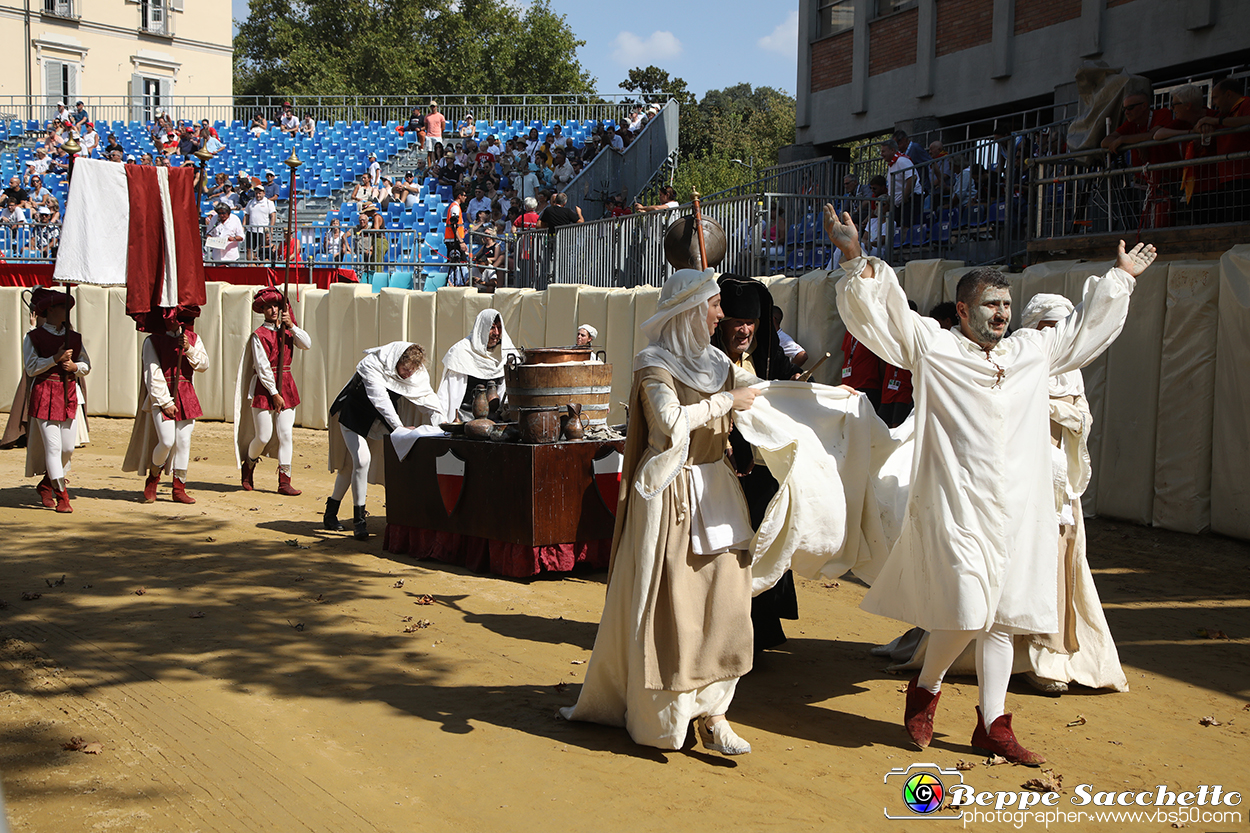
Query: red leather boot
(249, 468)
(47, 494)
(62, 501)
(1001, 740)
(284, 483)
(149, 485)
(919, 711)
(180, 491)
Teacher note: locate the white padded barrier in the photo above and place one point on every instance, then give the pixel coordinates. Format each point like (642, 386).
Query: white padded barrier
(1230, 468)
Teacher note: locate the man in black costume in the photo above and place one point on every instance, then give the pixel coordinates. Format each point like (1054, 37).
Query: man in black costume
(748, 337)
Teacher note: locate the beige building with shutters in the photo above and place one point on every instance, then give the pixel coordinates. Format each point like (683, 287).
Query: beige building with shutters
(124, 58)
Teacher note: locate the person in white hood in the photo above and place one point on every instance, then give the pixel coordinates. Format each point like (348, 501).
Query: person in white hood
(389, 390)
(476, 359)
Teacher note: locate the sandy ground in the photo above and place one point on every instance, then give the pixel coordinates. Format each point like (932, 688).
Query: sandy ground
(242, 670)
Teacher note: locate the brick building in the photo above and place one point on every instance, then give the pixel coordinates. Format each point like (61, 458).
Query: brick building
(867, 66)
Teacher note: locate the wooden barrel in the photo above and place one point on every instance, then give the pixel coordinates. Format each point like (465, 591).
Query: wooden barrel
(547, 385)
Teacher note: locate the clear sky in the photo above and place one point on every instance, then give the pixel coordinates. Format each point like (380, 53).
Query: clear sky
(711, 45)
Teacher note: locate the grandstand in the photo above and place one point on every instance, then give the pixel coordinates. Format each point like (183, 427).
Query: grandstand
(334, 157)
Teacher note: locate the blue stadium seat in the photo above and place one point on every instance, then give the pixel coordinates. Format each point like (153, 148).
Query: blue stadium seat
(400, 279)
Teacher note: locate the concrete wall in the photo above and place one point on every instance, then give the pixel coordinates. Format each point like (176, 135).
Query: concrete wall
(1160, 411)
(105, 45)
(934, 60)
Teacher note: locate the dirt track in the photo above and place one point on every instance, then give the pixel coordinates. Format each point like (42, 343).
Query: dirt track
(296, 701)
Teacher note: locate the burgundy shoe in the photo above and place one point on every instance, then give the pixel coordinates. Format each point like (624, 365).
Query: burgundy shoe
(149, 486)
(180, 492)
(285, 487)
(47, 494)
(919, 711)
(249, 467)
(62, 501)
(1001, 740)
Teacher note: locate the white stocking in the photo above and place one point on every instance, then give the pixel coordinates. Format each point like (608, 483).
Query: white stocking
(172, 435)
(58, 446)
(358, 448)
(264, 423)
(943, 649)
(995, 655)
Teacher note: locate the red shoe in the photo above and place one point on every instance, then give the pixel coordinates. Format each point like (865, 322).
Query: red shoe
(149, 485)
(1001, 740)
(285, 487)
(47, 494)
(919, 711)
(249, 467)
(180, 492)
(62, 501)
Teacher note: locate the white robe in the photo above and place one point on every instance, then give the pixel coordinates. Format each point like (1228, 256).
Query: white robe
(977, 545)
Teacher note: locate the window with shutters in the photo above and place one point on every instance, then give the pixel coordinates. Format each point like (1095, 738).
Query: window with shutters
(154, 17)
(62, 8)
(147, 95)
(60, 83)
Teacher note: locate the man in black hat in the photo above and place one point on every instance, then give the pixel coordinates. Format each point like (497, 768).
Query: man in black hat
(747, 336)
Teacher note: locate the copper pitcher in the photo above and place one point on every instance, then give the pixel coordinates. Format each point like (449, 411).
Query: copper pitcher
(573, 424)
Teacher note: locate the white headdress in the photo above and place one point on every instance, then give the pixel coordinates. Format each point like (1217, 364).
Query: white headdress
(1045, 307)
(416, 388)
(472, 357)
(591, 331)
(678, 332)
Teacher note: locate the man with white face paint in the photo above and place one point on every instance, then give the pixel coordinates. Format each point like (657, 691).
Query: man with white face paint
(976, 557)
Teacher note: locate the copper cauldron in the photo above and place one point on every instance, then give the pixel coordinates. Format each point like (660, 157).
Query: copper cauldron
(539, 425)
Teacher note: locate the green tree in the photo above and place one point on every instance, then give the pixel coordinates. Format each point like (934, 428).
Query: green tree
(402, 47)
(654, 84)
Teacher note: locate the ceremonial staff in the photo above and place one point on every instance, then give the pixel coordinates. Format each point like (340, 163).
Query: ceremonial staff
(698, 226)
(292, 162)
(72, 147)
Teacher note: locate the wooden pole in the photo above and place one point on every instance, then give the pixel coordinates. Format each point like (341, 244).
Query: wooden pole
(292, 162)
(698, 227)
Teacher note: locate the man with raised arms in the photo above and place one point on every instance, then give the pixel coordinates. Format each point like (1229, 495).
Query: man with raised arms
(976, 557)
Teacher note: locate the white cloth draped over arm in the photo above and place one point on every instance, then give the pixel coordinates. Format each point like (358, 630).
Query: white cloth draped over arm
(669, 425)
(1096, 322)
(876, 313)
(375, 389)
(36, 365)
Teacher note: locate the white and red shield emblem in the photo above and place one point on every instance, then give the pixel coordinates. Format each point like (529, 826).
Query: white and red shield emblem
(608, 478)
(450, 471)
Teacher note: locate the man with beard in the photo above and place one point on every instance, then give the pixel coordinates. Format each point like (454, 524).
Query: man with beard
(976, 557)
(476, 359)
(747, 337)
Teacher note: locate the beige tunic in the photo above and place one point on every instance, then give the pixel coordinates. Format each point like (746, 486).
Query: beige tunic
(676, 628)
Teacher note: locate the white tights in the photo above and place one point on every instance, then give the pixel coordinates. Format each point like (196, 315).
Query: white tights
(264, 422)
(995, 655)
(59, 439)
(175, 435)
(358, 477)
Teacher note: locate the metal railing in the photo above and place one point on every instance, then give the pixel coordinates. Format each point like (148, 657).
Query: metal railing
(808, 176)
(1179, 182)
(396, 257)
(614, 173)
(486, 109)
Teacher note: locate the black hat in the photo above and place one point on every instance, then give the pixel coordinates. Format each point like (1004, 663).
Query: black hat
(740, 297)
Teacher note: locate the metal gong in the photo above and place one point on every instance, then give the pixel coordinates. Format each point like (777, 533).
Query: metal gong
(681, 243)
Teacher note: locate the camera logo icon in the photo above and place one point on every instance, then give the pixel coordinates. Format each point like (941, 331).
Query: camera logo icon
(920, 791)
